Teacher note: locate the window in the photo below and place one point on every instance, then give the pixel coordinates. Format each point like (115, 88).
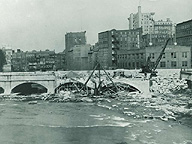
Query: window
(173, 64)
(162, 64)
(133, 64)
(133, 56)
(163, 56)
(141, 56)
(137, 56)
(129, 64)
(184, 54)
(137, 64)
(173, 55)
(184, 63)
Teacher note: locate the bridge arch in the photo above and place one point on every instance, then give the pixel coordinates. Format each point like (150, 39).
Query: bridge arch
(26, 88)
(1, 90)
(122, 86)
(70, 86)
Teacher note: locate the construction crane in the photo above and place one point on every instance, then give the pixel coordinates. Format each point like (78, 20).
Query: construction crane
(152, 69)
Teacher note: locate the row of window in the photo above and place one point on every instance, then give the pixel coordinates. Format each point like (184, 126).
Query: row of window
(128, 56)
(130, 65)
(184, 26)
(173, 55)
(126, 33)
(173, 64)
(140, 64)
(152, 55)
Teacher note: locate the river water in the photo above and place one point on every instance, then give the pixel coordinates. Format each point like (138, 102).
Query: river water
(103, 122)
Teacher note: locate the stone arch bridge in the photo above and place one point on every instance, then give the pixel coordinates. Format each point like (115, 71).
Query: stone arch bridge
(49, 80)
(8, 81)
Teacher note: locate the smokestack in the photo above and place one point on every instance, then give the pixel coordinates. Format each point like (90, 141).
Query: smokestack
(139, 16)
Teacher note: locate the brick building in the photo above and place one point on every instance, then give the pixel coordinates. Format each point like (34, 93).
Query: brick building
(110, 42)
(131, 59)
(184, 33)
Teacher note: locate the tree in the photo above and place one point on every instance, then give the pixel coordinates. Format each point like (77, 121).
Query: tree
(2, 60)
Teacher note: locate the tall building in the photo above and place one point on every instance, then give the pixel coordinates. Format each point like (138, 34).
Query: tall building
(72, 39)
(110, 42)
(184, 33)
(142, 20)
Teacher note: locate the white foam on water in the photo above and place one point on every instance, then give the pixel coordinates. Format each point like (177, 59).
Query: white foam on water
(122, 124)
(105, 106)
(2, 104)
(118, 118)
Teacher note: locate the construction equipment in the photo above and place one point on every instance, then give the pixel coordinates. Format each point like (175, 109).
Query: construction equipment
(147, 68)
(152, 69)
(153, 72)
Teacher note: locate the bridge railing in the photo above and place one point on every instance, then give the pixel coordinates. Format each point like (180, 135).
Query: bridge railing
(29, 76)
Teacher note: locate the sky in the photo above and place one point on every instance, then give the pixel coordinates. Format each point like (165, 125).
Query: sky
(42, 24)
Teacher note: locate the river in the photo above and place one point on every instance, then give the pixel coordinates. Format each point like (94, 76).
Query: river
(102, 122)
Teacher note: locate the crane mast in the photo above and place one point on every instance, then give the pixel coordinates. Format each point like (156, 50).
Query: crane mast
(153, 72)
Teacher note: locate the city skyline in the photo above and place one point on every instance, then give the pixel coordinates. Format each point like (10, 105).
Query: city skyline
(40, 24)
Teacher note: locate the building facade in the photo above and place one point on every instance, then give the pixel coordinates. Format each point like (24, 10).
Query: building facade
(60, 61)
(184, 33)
(131, 59)
(80, 57)
(174, 57)
(164, 27)
(19, 63)
(110, 42)
(142, 20)
(33, 60)
(72, 39)
(155, 39)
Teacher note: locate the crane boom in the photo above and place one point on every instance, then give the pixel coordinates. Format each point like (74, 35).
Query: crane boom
(160, 56)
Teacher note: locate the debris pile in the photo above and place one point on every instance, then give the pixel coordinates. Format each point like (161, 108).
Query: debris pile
(165, 85)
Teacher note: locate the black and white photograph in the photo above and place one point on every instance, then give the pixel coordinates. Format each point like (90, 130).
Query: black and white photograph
(95, 71)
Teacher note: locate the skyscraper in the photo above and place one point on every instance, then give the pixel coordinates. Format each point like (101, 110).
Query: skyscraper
(144, 20)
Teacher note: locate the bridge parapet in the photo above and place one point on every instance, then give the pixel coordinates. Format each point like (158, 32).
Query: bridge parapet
(27, 76)
(8, 81)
